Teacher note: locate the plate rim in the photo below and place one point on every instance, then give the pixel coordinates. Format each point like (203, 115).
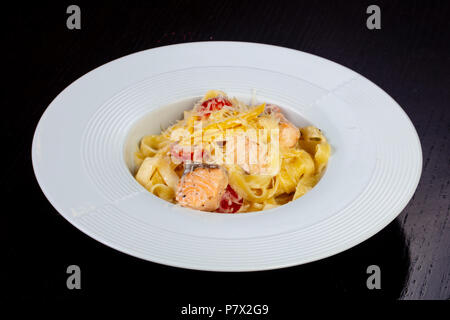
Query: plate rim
(91, 234)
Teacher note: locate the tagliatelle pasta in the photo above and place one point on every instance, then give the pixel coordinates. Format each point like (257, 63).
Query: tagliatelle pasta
(226, 156)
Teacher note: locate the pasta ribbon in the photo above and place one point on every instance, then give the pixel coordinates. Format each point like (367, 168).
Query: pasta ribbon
(157, 176)
(255, 188)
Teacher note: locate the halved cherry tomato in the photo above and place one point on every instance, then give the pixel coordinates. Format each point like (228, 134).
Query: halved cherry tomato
(186, 153)
(231, 202)
(213, 104)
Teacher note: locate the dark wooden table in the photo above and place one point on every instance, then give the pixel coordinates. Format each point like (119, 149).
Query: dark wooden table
(408, 57)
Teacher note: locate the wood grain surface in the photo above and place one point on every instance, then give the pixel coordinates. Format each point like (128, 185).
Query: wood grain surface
(408, 58)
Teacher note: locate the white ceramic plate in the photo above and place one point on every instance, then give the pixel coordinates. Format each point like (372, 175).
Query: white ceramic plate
(84, 142)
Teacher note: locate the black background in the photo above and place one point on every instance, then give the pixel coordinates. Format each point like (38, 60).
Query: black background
(408, 58)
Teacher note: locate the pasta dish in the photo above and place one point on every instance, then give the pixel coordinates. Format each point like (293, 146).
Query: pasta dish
(229, 157)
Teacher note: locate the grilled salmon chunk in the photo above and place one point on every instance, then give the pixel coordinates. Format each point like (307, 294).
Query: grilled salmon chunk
(202, 188)
(289, 134)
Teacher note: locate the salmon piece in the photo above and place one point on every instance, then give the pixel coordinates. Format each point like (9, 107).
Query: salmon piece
(289, 134)
(202, 188)
(272, 109)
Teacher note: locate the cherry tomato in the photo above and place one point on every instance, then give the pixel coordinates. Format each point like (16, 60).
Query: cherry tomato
(186, 153)
(231, 202)
(213, 104)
